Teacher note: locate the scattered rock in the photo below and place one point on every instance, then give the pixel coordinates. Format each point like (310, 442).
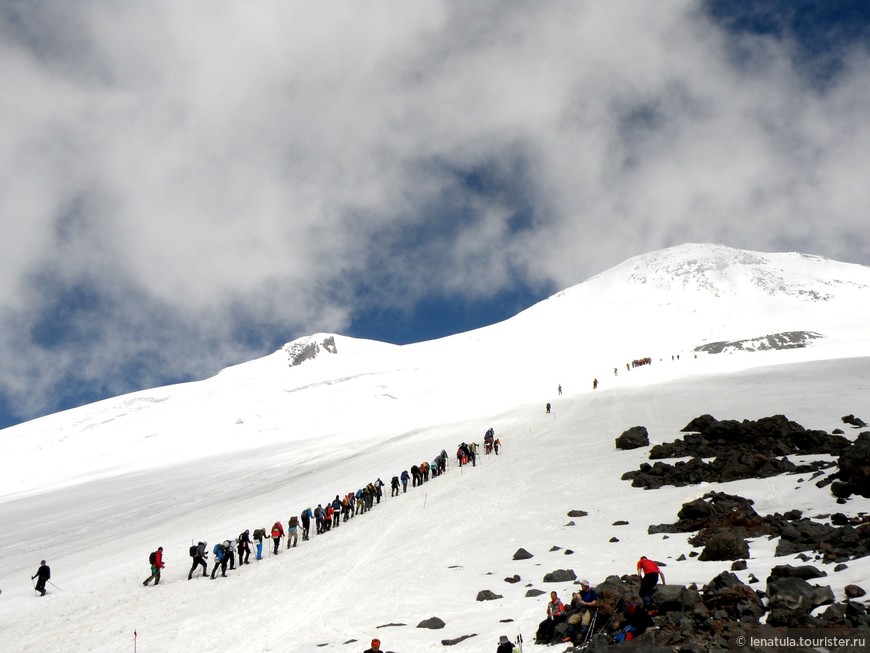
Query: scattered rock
(560, 576)
(806, 572)
(452, 642)
(513, 579)
(433, 623)
(578, 513)
(621, 522)
(522, 554)
(791, 600)
(725, 545)
(738, 565)
(857, 422)
(486, 595)
(614, 539)
(633, 438)
(533, 592)
(854, 591)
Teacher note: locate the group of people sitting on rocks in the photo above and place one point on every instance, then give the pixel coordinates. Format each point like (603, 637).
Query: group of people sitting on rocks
(576, 622)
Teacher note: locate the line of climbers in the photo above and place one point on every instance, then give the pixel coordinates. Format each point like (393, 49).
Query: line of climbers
(339, 510)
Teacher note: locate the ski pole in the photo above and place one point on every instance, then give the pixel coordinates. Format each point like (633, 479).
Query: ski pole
(54, 586)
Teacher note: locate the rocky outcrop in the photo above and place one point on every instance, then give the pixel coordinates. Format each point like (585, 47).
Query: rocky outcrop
(722, 519)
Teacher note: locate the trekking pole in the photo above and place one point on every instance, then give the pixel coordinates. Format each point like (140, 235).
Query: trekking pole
(135, 635)
(54, 586)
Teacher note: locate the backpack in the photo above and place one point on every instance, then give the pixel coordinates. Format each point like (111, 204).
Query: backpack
(216, 549)
(152, 558)
(294, 521)
(193, 550)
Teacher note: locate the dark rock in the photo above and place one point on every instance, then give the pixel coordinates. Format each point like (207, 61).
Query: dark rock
(806, 572)
(748, 449)
(791, 600)
(486, 595)
(854, 421)
(621, 522)
(840, 567)
(560, 576)
(725, 545)
(533, 592)
(555, 548)
(433, 623)
(613, 539)
(854, 464)
(453, 642)
(854, 591)
(513, 579)
(633, 438)
(569, 552)
(522, 554)
(727, 594)
(738, 565)
(577, 513)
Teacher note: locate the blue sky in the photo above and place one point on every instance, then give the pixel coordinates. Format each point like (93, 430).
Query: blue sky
(195, 184)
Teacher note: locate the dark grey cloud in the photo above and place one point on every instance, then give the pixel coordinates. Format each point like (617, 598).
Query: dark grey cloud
(191, 183)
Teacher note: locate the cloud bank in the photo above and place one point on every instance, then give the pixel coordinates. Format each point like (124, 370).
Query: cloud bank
(185, 183)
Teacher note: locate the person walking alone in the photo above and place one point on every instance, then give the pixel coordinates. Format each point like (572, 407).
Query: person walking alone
(42, 574)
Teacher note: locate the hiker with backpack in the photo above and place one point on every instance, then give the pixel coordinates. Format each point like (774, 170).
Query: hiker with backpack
(259, 536)
(306, 523)
(277, 534)
(336, 512)
(319, 516)
(231, 553)
(42, 574)
(379, 489)
(394, 486)
(199, 555)
(405, 478)
(156, 562)
(244, 547)
(220, 559)
(292, 528)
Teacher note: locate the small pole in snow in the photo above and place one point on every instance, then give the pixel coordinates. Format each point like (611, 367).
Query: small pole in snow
(135, 635)
(425, 496)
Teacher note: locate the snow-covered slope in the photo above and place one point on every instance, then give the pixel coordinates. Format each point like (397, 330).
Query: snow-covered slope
(94, 489)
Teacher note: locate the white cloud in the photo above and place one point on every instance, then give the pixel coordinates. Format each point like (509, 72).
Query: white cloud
(211, 160)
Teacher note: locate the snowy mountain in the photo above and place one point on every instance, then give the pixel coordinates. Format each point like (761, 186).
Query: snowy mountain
(736, 334)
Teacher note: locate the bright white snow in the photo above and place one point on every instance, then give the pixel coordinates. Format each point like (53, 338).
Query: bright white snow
(95, 489)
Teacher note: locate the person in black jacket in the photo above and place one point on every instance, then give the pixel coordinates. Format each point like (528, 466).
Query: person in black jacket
(504, 645)
(43, 574)
(244, 547)
(199, 559)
